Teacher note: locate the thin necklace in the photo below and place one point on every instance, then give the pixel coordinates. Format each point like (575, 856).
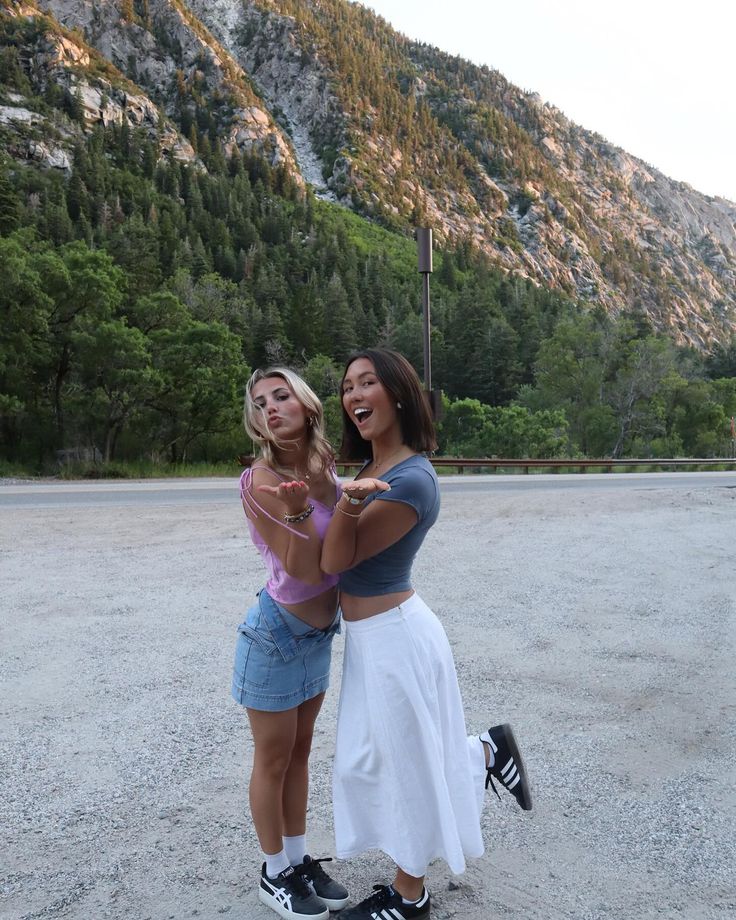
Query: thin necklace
(306, 476)
(377, 463)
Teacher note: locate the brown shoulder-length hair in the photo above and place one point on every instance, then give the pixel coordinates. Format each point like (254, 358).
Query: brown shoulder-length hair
(402, 382)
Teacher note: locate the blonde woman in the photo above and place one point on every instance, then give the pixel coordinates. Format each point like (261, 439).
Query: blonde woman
(282, 659)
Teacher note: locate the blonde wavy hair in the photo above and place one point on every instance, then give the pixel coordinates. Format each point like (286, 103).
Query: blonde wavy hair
(320, 453)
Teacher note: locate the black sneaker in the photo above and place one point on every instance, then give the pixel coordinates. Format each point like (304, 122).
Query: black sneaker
(508, 768)
(387, 904)
(327, 889)
(290, 896)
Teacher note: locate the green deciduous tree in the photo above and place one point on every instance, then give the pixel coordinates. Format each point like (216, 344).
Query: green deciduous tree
(201, 375)
(323, 376)
(116, 380)
(25, 308)
(513, 431)
(86, 288)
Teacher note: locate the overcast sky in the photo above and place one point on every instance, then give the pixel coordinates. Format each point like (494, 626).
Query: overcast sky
(656, 77)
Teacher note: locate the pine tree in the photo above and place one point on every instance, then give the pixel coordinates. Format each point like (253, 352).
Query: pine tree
(339, 324)
(9, 204)
(201, 262)
(77, 199)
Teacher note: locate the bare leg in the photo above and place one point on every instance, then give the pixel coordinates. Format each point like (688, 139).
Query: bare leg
(296, 781)
(274, 734)
(409, 886)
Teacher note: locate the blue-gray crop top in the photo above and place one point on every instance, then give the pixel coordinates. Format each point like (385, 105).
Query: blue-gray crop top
(414, 482)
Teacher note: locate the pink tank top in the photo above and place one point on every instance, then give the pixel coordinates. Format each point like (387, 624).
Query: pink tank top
(284, 588)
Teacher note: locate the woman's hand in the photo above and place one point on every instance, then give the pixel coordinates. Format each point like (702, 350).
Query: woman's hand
(362, 488)
(293, 494)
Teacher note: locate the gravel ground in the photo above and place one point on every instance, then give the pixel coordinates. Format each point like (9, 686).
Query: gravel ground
(600, 624)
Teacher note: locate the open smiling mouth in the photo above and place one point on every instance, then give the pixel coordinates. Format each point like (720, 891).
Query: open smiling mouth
(362, 414)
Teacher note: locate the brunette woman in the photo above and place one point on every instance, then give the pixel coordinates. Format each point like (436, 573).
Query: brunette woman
(406, 778)
(282, 659)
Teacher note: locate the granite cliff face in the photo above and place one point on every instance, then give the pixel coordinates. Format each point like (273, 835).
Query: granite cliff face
(646, 239)
(433, 139)
(64, 61)
(170, 54)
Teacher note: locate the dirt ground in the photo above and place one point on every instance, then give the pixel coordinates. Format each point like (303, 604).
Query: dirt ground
(601, 624)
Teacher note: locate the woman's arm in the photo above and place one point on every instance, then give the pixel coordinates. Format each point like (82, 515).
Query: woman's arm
(297, 545)
(357, 532)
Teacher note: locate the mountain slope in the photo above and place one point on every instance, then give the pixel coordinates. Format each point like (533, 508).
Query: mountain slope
(404, 133)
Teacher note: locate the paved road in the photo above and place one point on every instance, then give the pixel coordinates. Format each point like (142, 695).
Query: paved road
(220, 491)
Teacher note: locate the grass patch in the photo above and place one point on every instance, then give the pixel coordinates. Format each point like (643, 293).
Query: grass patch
(143, 469)
(10, 470)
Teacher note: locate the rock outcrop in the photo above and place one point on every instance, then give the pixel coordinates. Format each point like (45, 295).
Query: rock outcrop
(291, 79)
(63, 61)
(176, 60)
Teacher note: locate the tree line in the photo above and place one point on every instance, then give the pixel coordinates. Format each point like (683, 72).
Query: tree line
(138, 292)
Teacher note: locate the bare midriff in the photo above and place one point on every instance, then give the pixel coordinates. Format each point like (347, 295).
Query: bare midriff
(318, 612)
(360, 608)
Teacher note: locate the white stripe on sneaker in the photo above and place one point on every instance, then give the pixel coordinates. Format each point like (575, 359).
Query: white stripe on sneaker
(283, 897)
(509, 776)
(280, 894)
(511, 786)
(508, 766)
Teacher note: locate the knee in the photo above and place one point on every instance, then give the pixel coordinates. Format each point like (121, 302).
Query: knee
(302, 749)
(272, 763)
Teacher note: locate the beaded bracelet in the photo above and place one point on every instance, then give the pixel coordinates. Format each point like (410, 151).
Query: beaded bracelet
(302, 516)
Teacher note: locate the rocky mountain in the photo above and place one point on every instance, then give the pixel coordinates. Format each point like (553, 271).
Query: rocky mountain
(138, 68)
(63, 64)
(398, 131)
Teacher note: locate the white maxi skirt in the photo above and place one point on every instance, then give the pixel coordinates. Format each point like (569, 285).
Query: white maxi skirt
(407, 780)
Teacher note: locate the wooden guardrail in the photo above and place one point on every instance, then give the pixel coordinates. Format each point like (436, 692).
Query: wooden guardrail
(605, 464)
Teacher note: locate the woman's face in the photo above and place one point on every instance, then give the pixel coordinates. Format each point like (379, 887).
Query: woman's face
(367, 402)
(284, 415)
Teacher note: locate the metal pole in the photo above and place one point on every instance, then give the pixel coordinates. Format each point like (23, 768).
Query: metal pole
(427, 346)
(424, 254)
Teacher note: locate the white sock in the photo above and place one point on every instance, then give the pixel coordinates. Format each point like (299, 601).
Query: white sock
(404, 900)
(490, 747)
(275, 863)
(295, 848)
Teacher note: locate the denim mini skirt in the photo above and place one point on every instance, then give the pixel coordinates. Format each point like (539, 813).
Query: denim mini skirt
(280, 661)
